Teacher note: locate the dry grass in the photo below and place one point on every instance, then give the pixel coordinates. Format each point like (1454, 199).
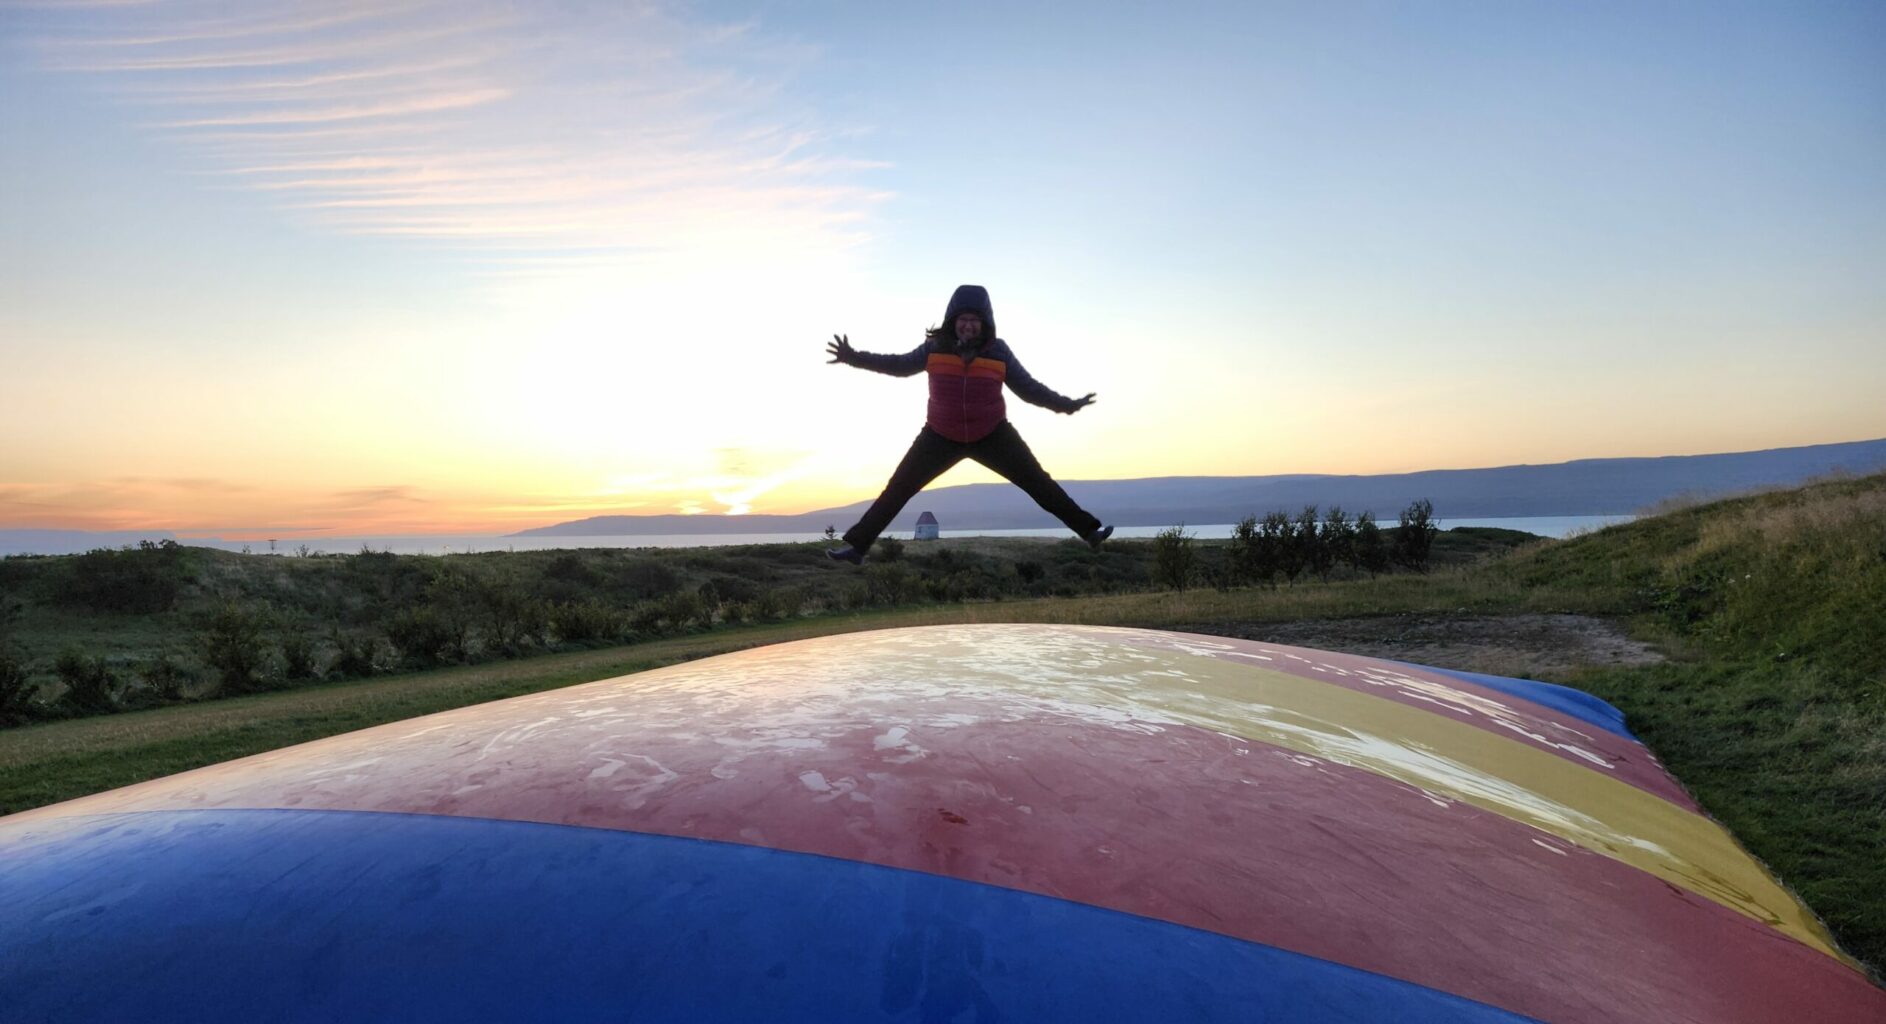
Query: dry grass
(1778, 523)
(1683, 501)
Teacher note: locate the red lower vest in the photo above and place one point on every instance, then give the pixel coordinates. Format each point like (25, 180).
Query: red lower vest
(966, 398)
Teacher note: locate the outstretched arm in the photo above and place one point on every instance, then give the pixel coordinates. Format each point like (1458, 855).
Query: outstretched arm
(1030, 390)
(902, 364)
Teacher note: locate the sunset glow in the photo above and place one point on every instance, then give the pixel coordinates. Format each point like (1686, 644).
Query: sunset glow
(349, 268)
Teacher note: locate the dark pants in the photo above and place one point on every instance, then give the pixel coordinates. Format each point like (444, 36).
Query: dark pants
(931, 454)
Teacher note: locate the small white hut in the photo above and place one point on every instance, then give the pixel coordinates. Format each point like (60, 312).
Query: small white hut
(926, 527)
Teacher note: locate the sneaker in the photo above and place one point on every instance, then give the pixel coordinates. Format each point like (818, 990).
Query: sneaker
(1096, 538)
(845, 554)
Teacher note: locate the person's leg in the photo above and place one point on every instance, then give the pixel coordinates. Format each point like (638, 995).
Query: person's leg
(1005, 452)
(929, 456)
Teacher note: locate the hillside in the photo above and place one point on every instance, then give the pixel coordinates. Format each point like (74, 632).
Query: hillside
(1581, 487)
(1773, 706)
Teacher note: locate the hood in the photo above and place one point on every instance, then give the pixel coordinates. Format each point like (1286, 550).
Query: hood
(967, 298)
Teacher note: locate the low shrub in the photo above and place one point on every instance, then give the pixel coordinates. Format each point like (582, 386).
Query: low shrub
(1371, 547)
(353, 654)
(643, 578)
(231, 639)
(585, 622)
(1337, 538)
(423, 636)
(166, 678)
(1175, 561)
(133, 581)
(1307, 551)
(684, 609)
(890, 585)
(514, 621)
(298, 657)
(1414, 537)
(780, 603)
(91, 687)
(19, 701)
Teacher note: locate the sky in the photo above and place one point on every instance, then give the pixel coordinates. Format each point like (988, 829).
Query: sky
(372, 267)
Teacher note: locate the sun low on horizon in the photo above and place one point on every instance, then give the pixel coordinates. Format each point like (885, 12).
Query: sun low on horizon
(359, 268)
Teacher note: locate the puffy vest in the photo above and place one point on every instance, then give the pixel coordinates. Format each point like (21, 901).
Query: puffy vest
(966, 397)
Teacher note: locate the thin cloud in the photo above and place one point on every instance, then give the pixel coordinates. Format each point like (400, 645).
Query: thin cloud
(530, 510)
(125, 502)
(369, 496)
(267, 26)
(73, 5)
(193, 483)
(416, 105)
(263, 532)
(626, 127)
(334, 84)
(186, 57)
(206, 506)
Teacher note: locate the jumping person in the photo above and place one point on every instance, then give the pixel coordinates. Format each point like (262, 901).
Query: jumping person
(968, 365)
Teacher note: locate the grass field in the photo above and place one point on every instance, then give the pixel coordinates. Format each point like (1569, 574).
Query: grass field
(1771, 705)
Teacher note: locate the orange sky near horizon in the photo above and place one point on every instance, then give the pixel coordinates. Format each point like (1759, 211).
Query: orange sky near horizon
(205, 507)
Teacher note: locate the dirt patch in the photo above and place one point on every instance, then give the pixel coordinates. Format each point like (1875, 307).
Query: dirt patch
(1545, 647)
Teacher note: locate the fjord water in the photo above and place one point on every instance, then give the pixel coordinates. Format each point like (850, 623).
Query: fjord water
(451, 544)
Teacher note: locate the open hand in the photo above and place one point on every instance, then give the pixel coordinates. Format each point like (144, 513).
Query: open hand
(1081, 403)
(839, 348)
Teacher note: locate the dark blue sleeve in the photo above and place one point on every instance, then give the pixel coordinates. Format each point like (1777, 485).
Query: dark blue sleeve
(896, 364)
(1030, 390)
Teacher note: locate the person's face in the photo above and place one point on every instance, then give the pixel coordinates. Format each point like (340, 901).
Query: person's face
(968, 326)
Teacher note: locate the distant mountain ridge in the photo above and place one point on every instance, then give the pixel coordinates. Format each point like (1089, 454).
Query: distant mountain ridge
(1581, 487)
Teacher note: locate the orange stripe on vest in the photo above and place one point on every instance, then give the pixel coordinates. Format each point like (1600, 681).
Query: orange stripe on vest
(952, 366)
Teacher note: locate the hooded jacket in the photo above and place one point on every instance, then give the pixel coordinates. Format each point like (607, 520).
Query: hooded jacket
(966, 380)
